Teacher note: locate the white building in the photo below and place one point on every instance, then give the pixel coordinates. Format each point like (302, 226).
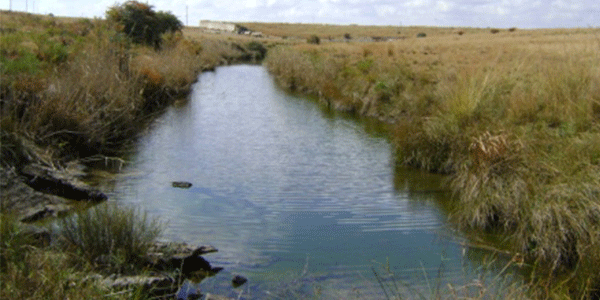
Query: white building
(219, 26)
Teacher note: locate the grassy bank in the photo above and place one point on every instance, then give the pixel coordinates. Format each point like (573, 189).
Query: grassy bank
(76, 89)
(79, 87)
(512, 116)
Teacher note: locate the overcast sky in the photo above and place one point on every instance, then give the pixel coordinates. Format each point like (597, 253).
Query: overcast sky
(471, 13)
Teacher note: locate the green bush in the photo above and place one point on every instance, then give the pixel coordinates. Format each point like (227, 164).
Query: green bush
(258, 48)
(23, 63)
(313, 39)
(55, 52)
(110, 230)
(139, 22)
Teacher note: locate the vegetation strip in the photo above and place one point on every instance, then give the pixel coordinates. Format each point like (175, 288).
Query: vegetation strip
(513, 118)
(77, 91)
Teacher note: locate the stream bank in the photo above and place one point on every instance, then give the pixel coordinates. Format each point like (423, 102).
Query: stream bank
(521, 154)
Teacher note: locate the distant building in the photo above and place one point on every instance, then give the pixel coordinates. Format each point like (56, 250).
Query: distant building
(220, 26)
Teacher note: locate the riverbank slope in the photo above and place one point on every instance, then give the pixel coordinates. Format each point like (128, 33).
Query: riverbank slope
(511, 115)
(75, 92)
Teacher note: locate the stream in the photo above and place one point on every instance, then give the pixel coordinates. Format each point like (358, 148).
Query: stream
(301, 200)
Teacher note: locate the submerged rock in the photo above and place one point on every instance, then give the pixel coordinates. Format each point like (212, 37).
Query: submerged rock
(181, 184)
(186, 258)
(238, 281)
(168, 265)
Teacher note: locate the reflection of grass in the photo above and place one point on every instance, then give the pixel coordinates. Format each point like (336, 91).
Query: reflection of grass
(484, 286)
(495, 278)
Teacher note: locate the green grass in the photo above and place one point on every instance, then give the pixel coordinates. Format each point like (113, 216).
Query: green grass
(121, 234)
(80, 88)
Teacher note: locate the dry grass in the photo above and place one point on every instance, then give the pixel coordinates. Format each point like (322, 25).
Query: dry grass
(31, 270)
(108, 230)
(73, 88)
(338, 32)
(512, 116)
(79, 88)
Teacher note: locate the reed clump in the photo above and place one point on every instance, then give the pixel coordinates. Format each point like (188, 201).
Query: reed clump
(31, 268)
(108, 230)
(514, 123)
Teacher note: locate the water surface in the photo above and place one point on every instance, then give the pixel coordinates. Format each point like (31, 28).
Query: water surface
(298, 199)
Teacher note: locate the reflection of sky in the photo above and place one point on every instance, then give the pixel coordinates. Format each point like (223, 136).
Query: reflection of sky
(275, 183)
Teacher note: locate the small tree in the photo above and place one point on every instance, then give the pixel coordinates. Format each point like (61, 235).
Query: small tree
(140, 23)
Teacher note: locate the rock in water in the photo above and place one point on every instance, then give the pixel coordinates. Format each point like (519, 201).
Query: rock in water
(59, 183)
(182, 184)
(238, 281)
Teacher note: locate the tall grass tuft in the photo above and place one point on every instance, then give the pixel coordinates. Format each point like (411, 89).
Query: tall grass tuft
(31, 271)
(110, 230)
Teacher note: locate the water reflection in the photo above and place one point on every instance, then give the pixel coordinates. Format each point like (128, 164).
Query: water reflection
(293, 195)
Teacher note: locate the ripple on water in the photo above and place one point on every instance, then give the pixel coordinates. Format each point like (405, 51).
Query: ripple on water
(287, 192)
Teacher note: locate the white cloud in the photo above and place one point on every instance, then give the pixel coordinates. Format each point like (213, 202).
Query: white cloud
(417, 3)
(385, 10)
(444, 6)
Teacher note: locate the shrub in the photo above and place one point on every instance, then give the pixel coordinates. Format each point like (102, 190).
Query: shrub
(54, 52)
(494, 30)
(313, 39)
(347, 36)
(512, 29)
(143, 25)
(110, 230)
(421, 34)
(23, 63)
(257, 48)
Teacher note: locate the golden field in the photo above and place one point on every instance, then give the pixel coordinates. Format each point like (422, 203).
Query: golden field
(512, 116)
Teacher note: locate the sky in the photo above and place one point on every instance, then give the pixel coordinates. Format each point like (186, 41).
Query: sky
(447, 13)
